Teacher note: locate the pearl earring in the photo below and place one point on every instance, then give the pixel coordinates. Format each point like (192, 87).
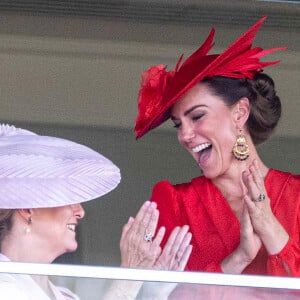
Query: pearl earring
(29, 222)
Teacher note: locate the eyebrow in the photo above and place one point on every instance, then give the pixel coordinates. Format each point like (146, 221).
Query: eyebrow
(190, 110)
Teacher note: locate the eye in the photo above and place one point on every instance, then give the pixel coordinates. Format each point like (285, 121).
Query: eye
(197, 117)
(177, 125)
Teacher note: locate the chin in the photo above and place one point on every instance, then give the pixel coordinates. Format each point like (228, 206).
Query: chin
(72, 248)
(209, 174)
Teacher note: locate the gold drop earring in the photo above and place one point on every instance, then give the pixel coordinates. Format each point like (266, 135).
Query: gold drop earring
(241, 149)
(29, 222)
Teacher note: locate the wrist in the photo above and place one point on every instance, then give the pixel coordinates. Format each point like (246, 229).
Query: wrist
(275, 239)
(235, 263)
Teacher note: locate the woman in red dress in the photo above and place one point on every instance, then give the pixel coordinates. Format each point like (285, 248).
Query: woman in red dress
(244, 215)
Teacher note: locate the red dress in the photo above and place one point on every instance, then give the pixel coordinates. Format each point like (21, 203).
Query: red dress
(216, 229)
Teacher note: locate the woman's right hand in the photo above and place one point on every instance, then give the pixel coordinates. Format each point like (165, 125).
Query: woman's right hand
(177, 250)
(250, 243)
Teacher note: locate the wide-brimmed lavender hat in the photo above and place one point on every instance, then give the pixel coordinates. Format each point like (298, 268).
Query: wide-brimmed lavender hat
(42, 171)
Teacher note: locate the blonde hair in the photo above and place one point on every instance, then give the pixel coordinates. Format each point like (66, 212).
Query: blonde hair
(5, 222)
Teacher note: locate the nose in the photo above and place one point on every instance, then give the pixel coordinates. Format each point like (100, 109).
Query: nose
(186, 133)
(78, 211)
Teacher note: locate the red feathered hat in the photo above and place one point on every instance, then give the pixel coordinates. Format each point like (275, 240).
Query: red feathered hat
(160, 89)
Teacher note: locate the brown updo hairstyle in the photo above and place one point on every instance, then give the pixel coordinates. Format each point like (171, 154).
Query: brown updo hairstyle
(5, 222)
(265, 105)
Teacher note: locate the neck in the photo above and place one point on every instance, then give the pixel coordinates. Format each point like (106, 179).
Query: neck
(231, 184)
(23, 251)
(22, 247)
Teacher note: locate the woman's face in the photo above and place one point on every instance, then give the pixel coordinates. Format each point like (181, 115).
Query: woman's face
(206, 128)
(55, 227)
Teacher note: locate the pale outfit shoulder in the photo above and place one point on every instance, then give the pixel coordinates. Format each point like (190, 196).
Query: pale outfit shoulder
(23, 287)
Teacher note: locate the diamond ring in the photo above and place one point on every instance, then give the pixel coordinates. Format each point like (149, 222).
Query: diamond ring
(148, 237)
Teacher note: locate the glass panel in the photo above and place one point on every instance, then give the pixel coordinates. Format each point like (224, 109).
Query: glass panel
(106, 283)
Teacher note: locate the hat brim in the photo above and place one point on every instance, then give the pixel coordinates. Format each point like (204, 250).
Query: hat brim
(39, 171)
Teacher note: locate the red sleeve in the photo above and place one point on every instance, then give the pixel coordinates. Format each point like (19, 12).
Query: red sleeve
(287, 211)
(286, 262)
(169, 204)
(213, 268)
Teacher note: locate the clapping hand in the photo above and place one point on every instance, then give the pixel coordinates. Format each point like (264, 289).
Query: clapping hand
(265, 224)
(140, 249)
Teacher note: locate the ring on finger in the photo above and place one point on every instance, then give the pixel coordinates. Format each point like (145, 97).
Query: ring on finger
(261, 197)
(148, 237)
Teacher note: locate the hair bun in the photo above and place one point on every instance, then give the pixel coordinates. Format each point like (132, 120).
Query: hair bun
(264, 85)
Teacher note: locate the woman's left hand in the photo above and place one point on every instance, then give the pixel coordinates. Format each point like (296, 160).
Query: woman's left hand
(265, 224)
(139, 249)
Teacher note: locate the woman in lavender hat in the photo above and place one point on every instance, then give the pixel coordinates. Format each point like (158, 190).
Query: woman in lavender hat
(43, 181)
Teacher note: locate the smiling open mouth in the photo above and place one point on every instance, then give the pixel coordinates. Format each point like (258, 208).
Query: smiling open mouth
(204, 151)
(201, 147)
(71, 227)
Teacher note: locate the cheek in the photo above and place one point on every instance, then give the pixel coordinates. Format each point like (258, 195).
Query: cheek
(180, 139)
(227, 142)
(231, 133)
(225, 128)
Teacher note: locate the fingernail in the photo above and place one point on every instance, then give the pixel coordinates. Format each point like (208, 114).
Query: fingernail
(153, 204)
(130, 220)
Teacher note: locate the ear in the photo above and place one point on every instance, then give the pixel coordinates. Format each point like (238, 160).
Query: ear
(241, 112)
(25, 214)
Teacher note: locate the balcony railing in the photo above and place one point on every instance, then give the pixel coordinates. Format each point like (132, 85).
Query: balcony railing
(91, 282)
